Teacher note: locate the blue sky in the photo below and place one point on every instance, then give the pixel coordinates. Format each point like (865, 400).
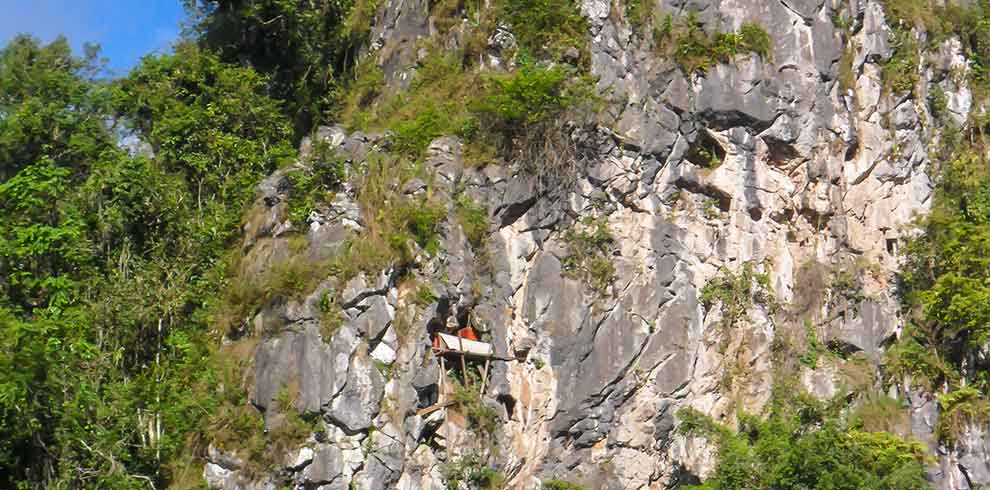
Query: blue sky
(126, 29)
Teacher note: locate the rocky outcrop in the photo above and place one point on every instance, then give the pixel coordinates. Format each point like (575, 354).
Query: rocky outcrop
(813, 177)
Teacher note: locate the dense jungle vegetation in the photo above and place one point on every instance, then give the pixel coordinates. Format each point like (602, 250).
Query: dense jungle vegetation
(121, 201)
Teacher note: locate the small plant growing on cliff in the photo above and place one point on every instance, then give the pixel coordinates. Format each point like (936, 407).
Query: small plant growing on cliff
(331, 317)
(710, 208)
(546, 28)
(735, 293)
(294, 427)
(473, 219)
(938, 102)
(561, 485)
(315, 183)
(589, 249)
(696, 51)
(639, 13)
(959, 408)
(472, 470)
(482, 418)
(813, 349)
(289, 278)
(900, 72)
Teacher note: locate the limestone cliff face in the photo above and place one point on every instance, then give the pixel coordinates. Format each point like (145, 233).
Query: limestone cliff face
(817, 178)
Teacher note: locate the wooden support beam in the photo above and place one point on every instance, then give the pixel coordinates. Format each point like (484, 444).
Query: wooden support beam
(443, 352)
(433, 408)
(484, 376)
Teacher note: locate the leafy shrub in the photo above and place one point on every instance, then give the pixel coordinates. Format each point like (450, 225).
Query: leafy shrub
(332, 315)
(900, 72)
(434, 105)
(473, 219)
(546, 28)
(472, 470)
(289, 278)
(639, 13)
(735, 293)
(532, 94)
(877, 412)
(943, 279)
(305, 47)
(482, 418)
(813, 348)
(314, 184)
(938, 103)
(361, 91)
(110, 262)
(589, 248)
(413, 136)
(799, 446)
(963, 406)
(696, 51)
(421, 219)
(561, 485)
(754, 38)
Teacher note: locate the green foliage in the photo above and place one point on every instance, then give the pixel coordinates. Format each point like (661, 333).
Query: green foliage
(530, 95)
(938, 103)
(110, 261)
(425, 296)
(473, 218)
(546, 28)
(710, 209)
(305, 46)
(813, 348)
(315, 183)
(694, 50)
(420, 221)
(803, 445)
(482, 418)
(964, 406)
(943, 280)
(332, 315)
(471, 470)
(361, 90)
(900, 72)
(209, 121)
(966, 21)
(435, 105)
(289, 278)
(589, 249)
(735, 293)
(914, 355)
(880, 413)
(846, 281)
(639, 13)
(561, 485)
(398, 227)
(487, 111)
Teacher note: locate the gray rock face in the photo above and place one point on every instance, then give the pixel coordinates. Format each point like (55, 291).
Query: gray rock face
(809, 173)
(355, 406)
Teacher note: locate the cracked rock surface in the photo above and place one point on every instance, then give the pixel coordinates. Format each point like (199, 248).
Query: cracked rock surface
(813, 176)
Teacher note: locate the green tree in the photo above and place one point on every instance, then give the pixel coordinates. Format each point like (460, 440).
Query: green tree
(944, 279)
(109, 261)
(304, 45)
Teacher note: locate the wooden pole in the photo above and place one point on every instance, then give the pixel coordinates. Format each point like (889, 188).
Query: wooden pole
(484, 376)
(443, 375)
(460, 346)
